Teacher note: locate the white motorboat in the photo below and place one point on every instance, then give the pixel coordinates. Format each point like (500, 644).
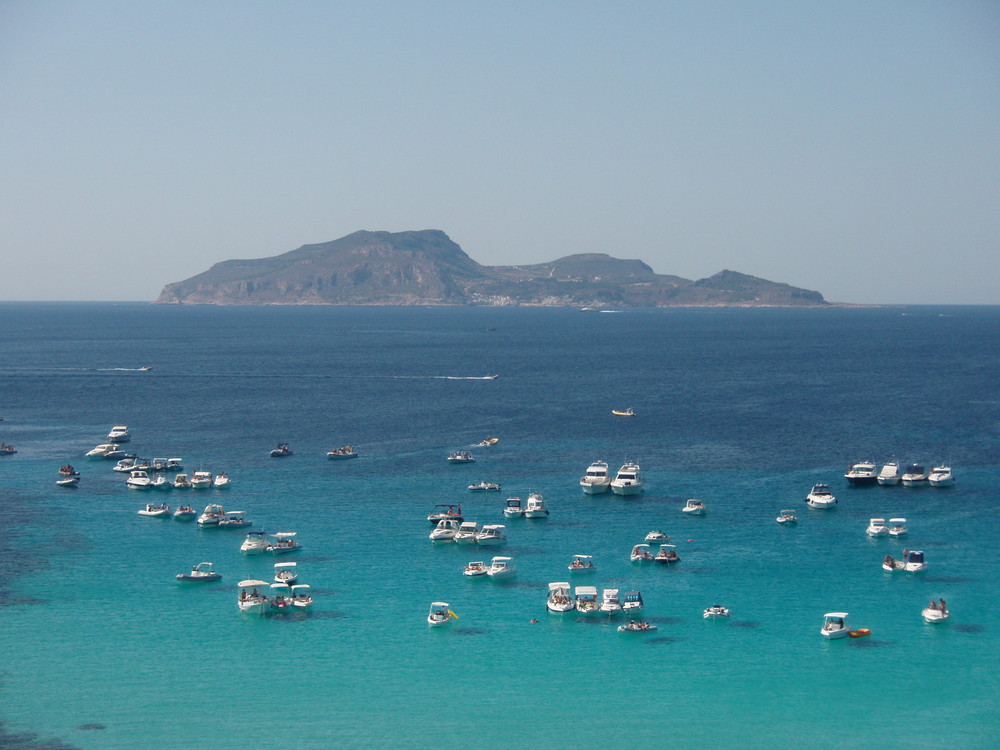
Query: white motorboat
(453, 512)
(915, 562)
(281, 597)
(632, 604)
(138, 480)
(636, 626)
(513, 508)
(475, 568)
(221, 481)
(936, 613)
(501, 568)
(835, 625)
(213, 515)
(582, 564)
(174, 464)
(68, 481)
(155, 511)
(596, 480)
(897, 527)
(890, 564)
(640, 553)
(126, 465)
(466, 534)
(491, 534)
(667, 555)
(629, 412)
(484, 487)
(487, 442)
(201, 480)
(694, 508)
(941, 476)
(787, 516)
(586, 600)
(657, 537)
(160, 482)
(559, 599)
(440, 615)
(182, 482)
(255, 543)
(877, 527)
(119, 434)
(203, 572)
(302, 597)
(914, 476)
(716, 610)
(252, 598)
(889, 475)
(821, 498)
(282, 451)
(116, 454)
(338, 454)
(628, 480)
(536, 506)
(445, 531)
(611, 603)
(861, 473)
(283, 542)
(185, 513)
(158, 464)
(460, 457)
(235, 519)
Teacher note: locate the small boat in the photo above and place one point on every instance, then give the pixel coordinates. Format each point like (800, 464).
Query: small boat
(640, 553)
(628, 480)
(129, 463)
(8, 450)
(119, 434)
(182, 482)
(491, 535)
(235, 519)
(716, 610)
(201, 480)
(632, 604)
(485, 487)
(629, 412)
(174, 464)
(586, 600)
(444, 531)
(138, 480)
(282, 451)
(501, 568)
(155, 511)
(221, 481)
(160, 482)
(145, 368)
(460, 457)
(820, 497)
(914, 476)
(536, 506)
(915, 562)
(68, 481)
(341, 453)
(559, 599)
(861, 474)
(667, 555)
(611, 603)
(281, 597)
(158, 464)
(283, 542)
(657, 537)
(203, 572)
(890, 564)
(835, 625)
(596, 480)
(466, 534)
(440, 615)
(787, 517)
(941, 476)
(254, 544)
(897, 527)
(636, 626)
(302, 597)
(487, 442)
(694, 508)
(513, 508)
(877, 527)
(251, 599)
(859, 633)
(475, 568)
(100, 451)
(213, 515)
(582, 564)
(935, 613)
(889, 475)
(454, 512)
(185, 513)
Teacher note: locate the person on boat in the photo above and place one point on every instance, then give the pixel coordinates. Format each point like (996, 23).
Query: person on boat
(942, 606)
(932, 605)
(889, 561)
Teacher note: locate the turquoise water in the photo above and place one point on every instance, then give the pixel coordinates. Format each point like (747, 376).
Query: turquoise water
(745, 409)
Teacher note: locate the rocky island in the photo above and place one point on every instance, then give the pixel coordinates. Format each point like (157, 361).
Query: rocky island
(426, 268)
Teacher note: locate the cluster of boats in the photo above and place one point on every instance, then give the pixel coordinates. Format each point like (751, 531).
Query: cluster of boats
(345, 451)
(283, 595)
(597, 480)
(891, 474)
(500, 568)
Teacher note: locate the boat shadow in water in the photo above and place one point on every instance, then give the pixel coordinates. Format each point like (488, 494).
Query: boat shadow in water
(470, 631)
(321, 615)
(662, 640)
(665, 620)
(968, 628)
(869, 643)
(745, 624)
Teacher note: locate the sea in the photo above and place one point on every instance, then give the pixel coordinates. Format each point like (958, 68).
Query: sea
(744, 409)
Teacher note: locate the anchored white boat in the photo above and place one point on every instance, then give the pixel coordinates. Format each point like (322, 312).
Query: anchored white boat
(586, 600)
(716, 610)
(213, 515)
(596, 480)
(119, 434)
(889, 476)
(155, 511)
(201, 480)
(936, 613)
(281, 597)
(466, 534)
(897, 527)
(453, 512)
(71, 480)
(877, 527)
(914, 476)
(160, 482)
(640, 553)
(582, 564)
(101, 450)
(861, 473)
(254, 544)
(821, 498)
(445, 531)
(628, 480)
(915, 562)
(667, 555)
(221, 481)
(203, 572)
(185, 513)
(636, 626)
(484, 487)
(235, 519)
(138, 480)
(513, 508)
(491, 534)
(126, 465)
(282, 451)
(632, 604)
(536, 506)
(252, 598)
(175, 464)
(941, 476)
(694, 508)
(475, 569)
(501, 568)
(835, 625)
(440, 615)
(611, 603)
(182, 482)
(283, 542)
(559, 599)
(657, 537)
(302, 597)
(460, 457)
(787, 516)
(344, 452)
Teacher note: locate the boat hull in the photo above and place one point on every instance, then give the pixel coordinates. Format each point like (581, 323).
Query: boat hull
(595, 488)
(935, 616)
(626, 490)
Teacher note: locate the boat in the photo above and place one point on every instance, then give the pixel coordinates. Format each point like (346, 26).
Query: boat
(487, 442)
(235, 519)
(185, 513)
(694, 508)
(155, 511)
(890, 564)
(936, 613)
(595, 480)
(586, 600)
(174, 464)
(877, 527)
(914, 476)
(283, 542)
(251, 599)
(440, 615)
(281, 597)
(611, 603)
(221, 481)
(341, 453)
(138, 480)
(201, 480)
(501, 568)
(119, 434)
(72, 481)
(859, 633)
(915, 562)
(632, 603)
(475, 568)
(145, 368)
(582, 564)
(536, 506)
(640, 553)
(667, 555)
(820, 497)
(636, 626)
(255, 543)
(559, 599)
(282, 451)
(182, 482)
(213, 515)
(513, 508)
(491, 535)
(8, 450)
(467, 533)
(835, 625)
(897, 527)
(628, 480)
(100, 451)
(485, 487)
(889, 475)
(158, 464)
(861, 474)
(160, 482)
(716, 610)
(941, 476)
(454, 512)
(657, 537)
(302, 597)
(444, 531)
(129, 463)
(629, 412)
(787, 516)
(203, 572)
(460, 457)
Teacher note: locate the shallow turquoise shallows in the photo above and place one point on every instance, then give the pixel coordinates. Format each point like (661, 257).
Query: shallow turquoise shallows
(101, 647)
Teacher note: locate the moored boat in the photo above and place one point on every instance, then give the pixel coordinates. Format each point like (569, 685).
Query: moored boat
(914, 476)
(629, 412)
(203, 572)
(302, 599)
(586, 600)
(485, 487)
(8, 450)
(213, 515)
(877, 527)
(119, 434)
(513, 508)
(632, 604)
(640, 553)
(445, 531)
(282, 451)
(582, 564)
(255, 543)
(341, 453)
(281, 597)
(897, 527)
(501, 568)
(861, 474)
(467, 533)
(221, 481)
(460, 457)
(440, 615)
(201, 480)
(235, 519)
(475, 569)
(138, 480)
(559, 599)
(835, 625)
(491, 534)
(821, 498)
(941, 476)
(251, 598)
(185, 513)
(889, 475)
(667, 555)
(628, 480)
(694, 508)
(596, 480)
(284, 542)
(155, 511)
(536, 506)
(454, 512)
(787, 516)
(611, 603)
(716, 610)
(182, 482)
(636, 626)
(935, 612)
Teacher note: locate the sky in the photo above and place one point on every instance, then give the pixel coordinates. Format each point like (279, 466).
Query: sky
(852, 148)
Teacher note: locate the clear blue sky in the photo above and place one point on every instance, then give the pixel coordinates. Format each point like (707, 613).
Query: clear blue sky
(848, 147)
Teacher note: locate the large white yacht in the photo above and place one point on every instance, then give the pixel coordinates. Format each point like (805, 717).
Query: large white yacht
(254, 544)
(889, 476)
(138, 480)
(611, 603)
(119, 434)
(632, 604)
(628, 480)
(861, 473)
(596, 480)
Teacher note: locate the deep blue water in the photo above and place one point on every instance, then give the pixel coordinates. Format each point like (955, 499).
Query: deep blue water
(744, 409)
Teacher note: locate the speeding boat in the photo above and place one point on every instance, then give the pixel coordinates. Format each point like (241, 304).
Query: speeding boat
(213, 515)
(185, 513)
(877, 527)
(820, 497)
(914, 476)
(475, 568)
(536, 506)
(487, 442)
(460, 457)
(201, 480)
(485, 487)
(302, 597)
(667, 555)
(632, 604)
(491, 534)
(787, 516)
(501, 568)
(636, 626)
(221, 481)
(445, 531)
(628, 480)
(281, 597)
(155, 511)
(657, 537)
(889, 475)
(100, 451)
(440, 615)
(640, 553)
(897, 527)
(453, 512)
(861, 473)
(254, 544)
(282, 451)
(138, 480)
(235, 519)
(251, 599)
(611, 603)
(915, 562)
(182, 482)
(559, 599)
(466, 534)
(694, 508)
(119, 434)
(283, 542)
(344, 452)
(941, 476)
(582, 564)
(586, 600)
(935, 613)
(203, 572)
(596, 480)
(513, 508)
(629, 412)
(835, 625)
(716, 610)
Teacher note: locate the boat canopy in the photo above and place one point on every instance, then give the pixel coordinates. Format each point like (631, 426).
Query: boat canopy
(559, 586)
(285, 565)
(633, 596)
(303, 587)
(501, 560)
(586, 591)
(285, 534)
(280, 587)
(439, 605)
(897, 520)
(252, 582)
(915, 556)
(836, 615)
